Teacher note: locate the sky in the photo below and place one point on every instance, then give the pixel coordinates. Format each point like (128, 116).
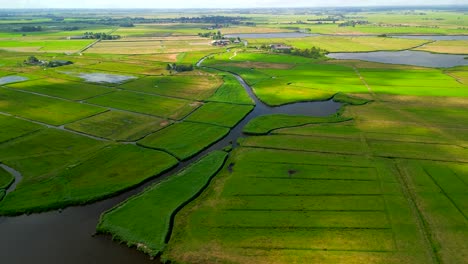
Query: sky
(213, 3)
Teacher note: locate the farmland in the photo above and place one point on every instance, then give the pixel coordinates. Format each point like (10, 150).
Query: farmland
(195, 151)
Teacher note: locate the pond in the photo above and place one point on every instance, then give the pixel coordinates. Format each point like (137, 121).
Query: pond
(105, 77)
(407, 57)
(12, 79)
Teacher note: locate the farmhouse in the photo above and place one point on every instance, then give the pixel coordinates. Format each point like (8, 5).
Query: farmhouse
(220, 42)
(280, 47)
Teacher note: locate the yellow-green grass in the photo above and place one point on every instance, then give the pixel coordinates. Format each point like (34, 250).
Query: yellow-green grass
(185, 139)
(44, 45)
(221, 114)
(231, 91)
(35, 159)
(6, 179)
(267, 123)
(447, 46)
(193, 87)
(345, 44)
(273, 206)
(62, 88)
(153, 46)
(146, 104)
(119, 125)
(44, 109)
(14, 128)
(134, 68)
(99, 174)
(145, 221)
(459, 73)
(440, 190)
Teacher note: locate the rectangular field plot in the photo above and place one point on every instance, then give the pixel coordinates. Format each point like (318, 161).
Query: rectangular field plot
(117, 125)
(231, 91)
(62, 88)
(220, 114)
(185, 139)
(45, 45)
(44, 109)
(286, 204)
(146, 104)
(441, 152)
(121, 66)
(14, 127)
(441, 191)
(100, 174)
(193, 87)
(324, 144)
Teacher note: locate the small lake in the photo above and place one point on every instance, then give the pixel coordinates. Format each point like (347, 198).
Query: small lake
(407, 57)
(105, 77)
(12, 79)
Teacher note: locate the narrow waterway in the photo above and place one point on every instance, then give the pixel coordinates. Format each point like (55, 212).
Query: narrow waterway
(66, 236)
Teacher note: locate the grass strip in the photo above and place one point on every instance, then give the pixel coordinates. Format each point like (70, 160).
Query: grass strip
(145, 220)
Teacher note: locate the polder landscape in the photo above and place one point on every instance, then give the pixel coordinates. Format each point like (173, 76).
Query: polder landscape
(280, 135)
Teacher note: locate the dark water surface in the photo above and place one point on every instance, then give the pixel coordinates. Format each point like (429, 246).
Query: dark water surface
(407, 57)
(67, 237)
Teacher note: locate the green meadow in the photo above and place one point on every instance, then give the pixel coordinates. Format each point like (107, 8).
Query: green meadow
(382, 180)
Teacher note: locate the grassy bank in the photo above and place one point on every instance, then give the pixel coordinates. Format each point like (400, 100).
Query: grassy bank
(145, 221)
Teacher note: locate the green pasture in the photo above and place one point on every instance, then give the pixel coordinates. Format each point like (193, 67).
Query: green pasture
(184, 139)
(192, 87)
(221, 114)
(161, 202)
(6, 179)
(267, 123)
(44, 109)
(99, 174)
(45, 45)
(62, 88)
(119, 125)
(14, 128)
(159, 106)
(231, 91)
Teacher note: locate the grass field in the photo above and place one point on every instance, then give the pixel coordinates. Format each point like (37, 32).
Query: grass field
(185, 139)
(447, 46)
(267, 123)
(6, 179)
(62, 88)
(146, 104)
(231, 92)
(148, 232)
(45, 45)
(13, 128)
(44, 109)
(81, 179)
(221, 114)
(345, 44)
(118, 125)
(192, 87)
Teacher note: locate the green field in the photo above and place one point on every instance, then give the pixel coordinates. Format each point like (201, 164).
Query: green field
(125, 222)
(13, 128)
(193, 87)
(155, 105)
(44, 109)
(267, 123)
(221, 114)
(6, 179)
(382, 180)
(185, 139)
(118, 125)
(74, 170)
(62, 88)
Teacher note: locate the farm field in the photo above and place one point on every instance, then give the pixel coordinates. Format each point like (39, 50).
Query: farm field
(196, 147)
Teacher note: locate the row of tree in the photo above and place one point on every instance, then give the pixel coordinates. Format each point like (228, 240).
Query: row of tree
(179, 67)
(100, 35)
